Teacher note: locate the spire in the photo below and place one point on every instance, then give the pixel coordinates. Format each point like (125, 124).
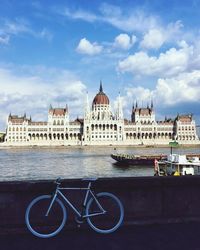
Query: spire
(136, 105)
(119, 111)
(148, 105)
(50, 107)
(66, 107)
(100, 88)
(151, 104)
(87, 106)
(133, 107)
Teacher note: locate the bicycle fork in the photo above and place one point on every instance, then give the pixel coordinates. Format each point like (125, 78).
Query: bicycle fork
(51, 204)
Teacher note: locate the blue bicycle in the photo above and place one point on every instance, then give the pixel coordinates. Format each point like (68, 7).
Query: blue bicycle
(46, 215)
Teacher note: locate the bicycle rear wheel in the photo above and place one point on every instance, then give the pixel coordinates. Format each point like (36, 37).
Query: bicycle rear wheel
(111, 220)
(41, 225)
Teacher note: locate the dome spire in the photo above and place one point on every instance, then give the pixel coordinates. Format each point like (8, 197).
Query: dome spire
(100, 88)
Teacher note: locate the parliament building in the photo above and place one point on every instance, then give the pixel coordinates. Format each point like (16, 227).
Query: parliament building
(100, 126)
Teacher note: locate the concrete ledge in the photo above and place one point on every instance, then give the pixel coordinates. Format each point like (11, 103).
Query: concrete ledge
(146, 200)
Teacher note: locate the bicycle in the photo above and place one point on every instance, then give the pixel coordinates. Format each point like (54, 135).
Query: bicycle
(46, 215)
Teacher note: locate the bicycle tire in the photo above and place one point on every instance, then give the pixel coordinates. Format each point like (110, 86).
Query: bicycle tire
(30, 225)
(119, 208)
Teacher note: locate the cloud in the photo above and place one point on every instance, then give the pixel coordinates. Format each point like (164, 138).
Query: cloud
(168, 92)
(170, 63)
(10, 28)
(134, 20)
(79, 14)
(86, 47)
(124, 41)
(183, 88)
(154, 31)
(156, 37)
(34, 90)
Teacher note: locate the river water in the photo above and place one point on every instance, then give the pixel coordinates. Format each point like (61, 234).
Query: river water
(71, 162)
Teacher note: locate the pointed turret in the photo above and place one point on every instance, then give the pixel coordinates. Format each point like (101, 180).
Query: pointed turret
(151, 104)
(87, 106)
(119, 111)
(66, 107)
(100, 88)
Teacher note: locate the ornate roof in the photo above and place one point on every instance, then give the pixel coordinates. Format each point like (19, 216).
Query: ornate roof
(101, 97)
(58, 111)
(17, 119)
(184, 118)
(143, 111)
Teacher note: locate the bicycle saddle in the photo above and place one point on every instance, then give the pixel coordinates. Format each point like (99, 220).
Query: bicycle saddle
(90, 179)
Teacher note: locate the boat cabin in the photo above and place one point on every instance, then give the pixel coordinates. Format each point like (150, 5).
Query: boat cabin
(177, 165)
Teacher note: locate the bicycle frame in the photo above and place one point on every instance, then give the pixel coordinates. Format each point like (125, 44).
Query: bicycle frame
(76, 211)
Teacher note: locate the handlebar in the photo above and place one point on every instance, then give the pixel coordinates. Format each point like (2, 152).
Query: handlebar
(58, 181)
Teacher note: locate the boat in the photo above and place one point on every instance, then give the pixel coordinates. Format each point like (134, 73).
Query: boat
(144, 160)
(177, 165)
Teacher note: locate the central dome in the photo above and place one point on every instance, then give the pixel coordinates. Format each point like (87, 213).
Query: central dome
(101, 97)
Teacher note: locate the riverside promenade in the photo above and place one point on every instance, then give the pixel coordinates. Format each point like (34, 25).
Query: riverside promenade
(178, 236)
(160, 213)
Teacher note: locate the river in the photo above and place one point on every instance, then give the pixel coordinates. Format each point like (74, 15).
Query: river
(72, 162)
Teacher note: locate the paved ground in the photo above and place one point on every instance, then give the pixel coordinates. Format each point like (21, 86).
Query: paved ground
(152, 237)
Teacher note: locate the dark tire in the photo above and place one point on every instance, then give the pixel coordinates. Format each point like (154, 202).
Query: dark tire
(45, 226)
(111, 220)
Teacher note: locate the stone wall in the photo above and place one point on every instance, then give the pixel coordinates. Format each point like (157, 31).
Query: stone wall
(145, 199)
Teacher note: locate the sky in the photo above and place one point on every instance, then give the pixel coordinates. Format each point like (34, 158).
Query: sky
(54, 52)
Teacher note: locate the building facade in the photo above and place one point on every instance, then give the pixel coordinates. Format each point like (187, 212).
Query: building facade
(100, 126)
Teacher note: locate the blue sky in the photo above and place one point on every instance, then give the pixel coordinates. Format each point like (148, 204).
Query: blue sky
(53, 52)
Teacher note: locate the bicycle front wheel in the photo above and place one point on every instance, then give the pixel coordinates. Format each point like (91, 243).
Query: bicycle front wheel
(42, 225)
(111, 219)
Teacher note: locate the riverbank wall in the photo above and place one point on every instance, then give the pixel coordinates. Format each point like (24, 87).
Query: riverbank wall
(146, 200)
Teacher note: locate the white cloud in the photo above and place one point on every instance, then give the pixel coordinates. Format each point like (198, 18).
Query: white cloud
(34, 90)
(86, 47)
(10, 28)
(169, 63)
(156, 37)
(80, 14)
(135, 20)
(183, 88)
(124, 41)
(168, 92)
(155, 32)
